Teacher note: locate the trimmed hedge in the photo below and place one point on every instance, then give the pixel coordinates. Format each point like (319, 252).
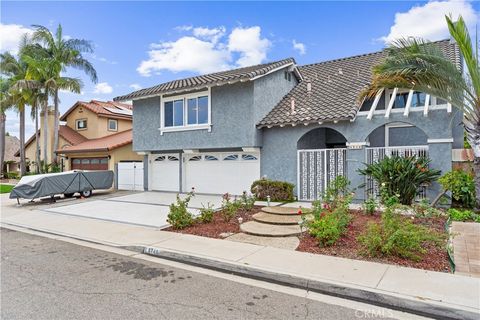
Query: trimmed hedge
(277, 190)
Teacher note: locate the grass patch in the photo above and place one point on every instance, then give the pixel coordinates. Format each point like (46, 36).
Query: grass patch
(5, 188)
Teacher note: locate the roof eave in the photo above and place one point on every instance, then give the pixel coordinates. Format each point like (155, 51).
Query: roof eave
(306, 123)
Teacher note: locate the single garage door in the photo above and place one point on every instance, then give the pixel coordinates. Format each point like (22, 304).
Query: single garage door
(165, 170)
(219, 173)
(90, 164)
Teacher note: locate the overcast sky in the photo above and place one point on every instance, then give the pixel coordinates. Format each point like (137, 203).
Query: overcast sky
(141, 44)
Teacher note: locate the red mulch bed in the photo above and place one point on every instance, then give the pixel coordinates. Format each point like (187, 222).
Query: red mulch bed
(218, 225)
(347, 246)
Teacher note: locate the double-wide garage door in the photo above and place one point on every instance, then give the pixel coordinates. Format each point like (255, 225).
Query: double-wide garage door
(90, 164)
(216, 173)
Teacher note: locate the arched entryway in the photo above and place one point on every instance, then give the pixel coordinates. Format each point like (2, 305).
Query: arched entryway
(321, 158)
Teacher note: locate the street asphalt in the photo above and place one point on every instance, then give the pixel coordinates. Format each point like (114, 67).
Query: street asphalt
(42, 278)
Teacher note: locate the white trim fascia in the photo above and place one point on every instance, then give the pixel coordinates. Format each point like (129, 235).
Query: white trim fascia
(185, 128)
(446, 140)
(251, 149)
(409, 103)
(425, 107)
(449, 107)
(142, 153)
(162, 115)
(391, 102)
(374, 105)
(357, 145)
(415, 109)
(272, 71)
(190, 151)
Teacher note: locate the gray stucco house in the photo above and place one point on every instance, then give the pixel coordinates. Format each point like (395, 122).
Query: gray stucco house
(301, 124)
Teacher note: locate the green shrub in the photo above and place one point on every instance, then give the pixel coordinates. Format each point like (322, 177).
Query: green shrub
(248, 202)
(463, 215)
(462, 186)
(277, 190)
(337, 192)
(11, 175)
(424, 209)
(330, 226)
(229, 207)
(179, 217)
(397, 236)
(370, 205)
(206, 213)
(401, 176)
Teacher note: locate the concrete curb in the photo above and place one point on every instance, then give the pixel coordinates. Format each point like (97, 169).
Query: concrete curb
(338, 290)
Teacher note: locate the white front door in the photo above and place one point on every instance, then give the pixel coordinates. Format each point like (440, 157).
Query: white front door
(219, 173)
(165, 171)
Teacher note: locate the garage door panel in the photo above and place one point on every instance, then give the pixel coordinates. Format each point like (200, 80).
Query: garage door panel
(165, 173)
(90, 164)
(221, 173)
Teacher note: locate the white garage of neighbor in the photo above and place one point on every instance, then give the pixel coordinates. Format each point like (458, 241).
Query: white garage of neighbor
(207, 172)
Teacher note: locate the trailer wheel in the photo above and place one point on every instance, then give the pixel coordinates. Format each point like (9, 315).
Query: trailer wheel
(86, 193)
(68, 195)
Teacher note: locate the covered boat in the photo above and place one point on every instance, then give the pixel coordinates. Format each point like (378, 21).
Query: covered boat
(67, 183)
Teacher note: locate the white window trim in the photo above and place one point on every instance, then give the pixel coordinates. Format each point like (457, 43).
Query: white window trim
(76, 124)
(186, 126)
(116, 125)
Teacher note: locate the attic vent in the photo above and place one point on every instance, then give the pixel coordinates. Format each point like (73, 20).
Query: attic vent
(292, 105)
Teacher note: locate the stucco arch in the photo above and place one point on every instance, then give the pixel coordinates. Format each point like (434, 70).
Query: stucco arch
(399, 133)
(321, 138)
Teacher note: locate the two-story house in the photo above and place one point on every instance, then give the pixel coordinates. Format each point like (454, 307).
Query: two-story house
(301, 124)
(93, 135)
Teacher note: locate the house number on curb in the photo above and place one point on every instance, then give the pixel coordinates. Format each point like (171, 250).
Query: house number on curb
(152, 251)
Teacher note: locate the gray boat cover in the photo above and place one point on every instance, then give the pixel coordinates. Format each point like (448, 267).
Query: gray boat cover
(50, 184)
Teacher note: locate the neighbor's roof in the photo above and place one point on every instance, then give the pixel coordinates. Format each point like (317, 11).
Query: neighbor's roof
(12, 145)
(106, 143)
(72, 136)
(218, 78)
(335, 87)
(111, 109)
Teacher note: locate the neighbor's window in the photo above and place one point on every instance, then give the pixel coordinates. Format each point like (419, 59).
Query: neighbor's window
(112, 125)
(188, 111)
(81, 124)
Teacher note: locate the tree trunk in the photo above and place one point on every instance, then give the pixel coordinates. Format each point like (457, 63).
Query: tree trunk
(45, 134)
(2, 141)
(22, 142)
(37, 143)
(56, 128)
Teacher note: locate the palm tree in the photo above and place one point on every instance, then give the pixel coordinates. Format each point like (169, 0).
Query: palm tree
(421, 66)
(5, 104)
(64, 53)
(16, 70)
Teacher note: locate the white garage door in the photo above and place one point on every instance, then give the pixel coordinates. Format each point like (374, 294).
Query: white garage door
(164, 172)
(130, 176)
(219, 173)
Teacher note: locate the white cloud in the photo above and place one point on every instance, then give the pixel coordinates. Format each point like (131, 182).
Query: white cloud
(207, 50)
(103, 88)
(300, 47)
(10, 36)
(428, 21)
(135, 86)
(248, 41)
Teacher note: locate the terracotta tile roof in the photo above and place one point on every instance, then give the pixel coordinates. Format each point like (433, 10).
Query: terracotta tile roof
(223, 77)
(12, 145)
(335, 86)
(72, 136)
(106, 143)
(111, 109)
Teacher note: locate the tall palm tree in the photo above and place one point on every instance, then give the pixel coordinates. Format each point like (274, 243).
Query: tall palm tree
(64, 53)
(15, 69)
(5, 104)
(421, 66)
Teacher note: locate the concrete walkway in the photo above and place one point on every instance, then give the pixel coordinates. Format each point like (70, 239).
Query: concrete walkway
(385, 283)
(466, 248)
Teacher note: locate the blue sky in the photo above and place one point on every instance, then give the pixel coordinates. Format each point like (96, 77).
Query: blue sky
(140, 44)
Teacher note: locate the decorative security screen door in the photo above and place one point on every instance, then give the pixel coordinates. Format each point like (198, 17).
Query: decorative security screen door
(316, 168)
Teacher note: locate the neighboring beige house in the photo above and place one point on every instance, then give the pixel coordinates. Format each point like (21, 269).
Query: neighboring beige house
(93, 135)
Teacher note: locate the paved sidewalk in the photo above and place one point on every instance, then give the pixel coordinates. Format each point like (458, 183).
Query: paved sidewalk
(466, 248)
(385, 283)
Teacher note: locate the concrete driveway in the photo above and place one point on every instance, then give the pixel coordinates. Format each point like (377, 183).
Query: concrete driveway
(142, 208)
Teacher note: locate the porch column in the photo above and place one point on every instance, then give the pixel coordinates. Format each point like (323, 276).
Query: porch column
(440, 152)
(355, 160)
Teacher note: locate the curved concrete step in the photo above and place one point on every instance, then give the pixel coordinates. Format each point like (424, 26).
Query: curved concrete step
(269, 230)
(284, 211)
(277, 218)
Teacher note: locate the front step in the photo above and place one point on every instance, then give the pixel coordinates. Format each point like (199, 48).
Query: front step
(269, 218)
(283, 211)
(270, 230)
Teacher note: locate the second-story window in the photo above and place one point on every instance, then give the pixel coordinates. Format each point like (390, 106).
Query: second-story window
(112, 125)
(186, 112)
(418, 100)
(81, 124)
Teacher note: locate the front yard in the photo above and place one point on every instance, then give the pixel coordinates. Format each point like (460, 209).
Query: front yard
(5, 188)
